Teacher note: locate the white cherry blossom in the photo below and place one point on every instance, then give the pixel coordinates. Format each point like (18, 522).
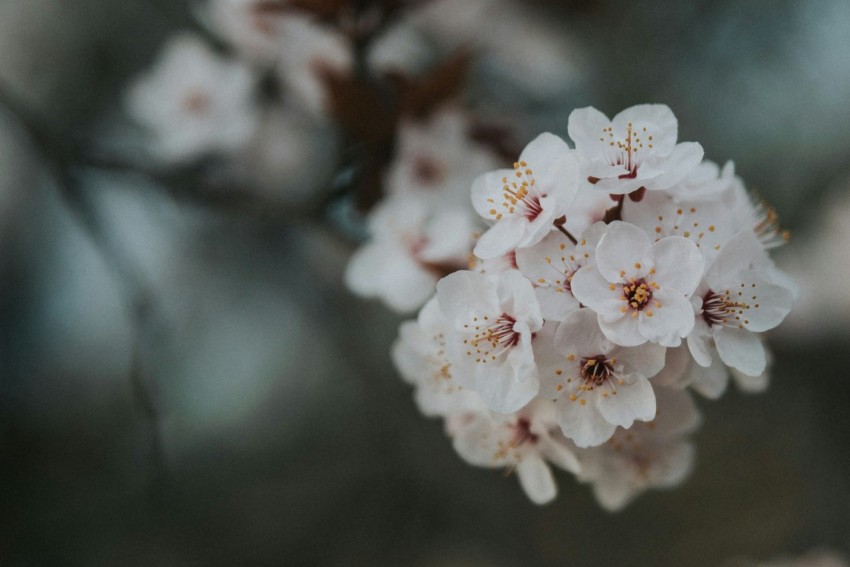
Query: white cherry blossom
(413, 245)
(436, 157)
(648, 455)
(637, 149)
(193, 101)
(596, 384)
(420, 357)
(493, 319)
(708, 223)
(523, 202)
(525, 442)
(550, 265)
(738, 298)
(640, 289)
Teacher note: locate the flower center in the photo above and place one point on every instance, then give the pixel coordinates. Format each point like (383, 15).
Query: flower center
(520, 195)
(596, 370)
(628, 151)
(637, 294)
(721, 309)
(489, 342)
(427, 171)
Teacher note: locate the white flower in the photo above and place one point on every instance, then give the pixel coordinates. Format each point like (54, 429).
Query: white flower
(708, 223)
(648, 455)
(636, 149)
(522, 442)
(640, 290)
(738, 297)
(413, 245)
(307, 48)
(706, 182)
(550, 265)
(493, 320)
(596, 384)
(523, 202)
(437, 158)
(194, 101)
(420, 356)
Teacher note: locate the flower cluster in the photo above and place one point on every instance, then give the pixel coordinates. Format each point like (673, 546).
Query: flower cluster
(611, 277)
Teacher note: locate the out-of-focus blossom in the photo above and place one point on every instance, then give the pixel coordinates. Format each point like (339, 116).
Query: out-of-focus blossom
(436, 157)
(525, 442)
(647, 455)
(194, 102)
(413, 245)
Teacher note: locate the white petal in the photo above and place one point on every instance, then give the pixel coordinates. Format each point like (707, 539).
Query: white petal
(620, 249)
(579, 334)
(506, 386)
(741, 349)
(657, 117)
(699, 343)
(487, 193)
(684, 158)
(501, 238)
(646, 360)
(632, 401)
(583, 424)
(463, 295)
(668, 323)
(559, 455)
(536, 479)
(735, 256)
(710, 381)
(585, 127)
(388, 272)
(678, 264)
(546, 148)
(591, 289)
(623, 332)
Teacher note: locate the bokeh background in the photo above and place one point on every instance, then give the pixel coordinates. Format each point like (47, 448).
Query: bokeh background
(286, 435)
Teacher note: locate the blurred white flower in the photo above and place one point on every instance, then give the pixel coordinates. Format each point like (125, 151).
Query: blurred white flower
(435, 156)
(193, 101)
(413, 245)
(420, 356)
(525, 442)
(648, 455)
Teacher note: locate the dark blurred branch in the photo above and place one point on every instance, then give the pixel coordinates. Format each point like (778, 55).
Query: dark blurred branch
(140, 299)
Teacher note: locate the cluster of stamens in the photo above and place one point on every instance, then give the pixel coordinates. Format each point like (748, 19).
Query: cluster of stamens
(518, 194)
(725, 309)
(627, 151)
(638, 296)
(490, 341)
(596, 370)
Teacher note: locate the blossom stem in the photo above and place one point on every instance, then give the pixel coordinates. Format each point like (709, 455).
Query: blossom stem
(559, 224)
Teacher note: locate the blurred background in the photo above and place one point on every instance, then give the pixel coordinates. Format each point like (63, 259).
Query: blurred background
(185, 379)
